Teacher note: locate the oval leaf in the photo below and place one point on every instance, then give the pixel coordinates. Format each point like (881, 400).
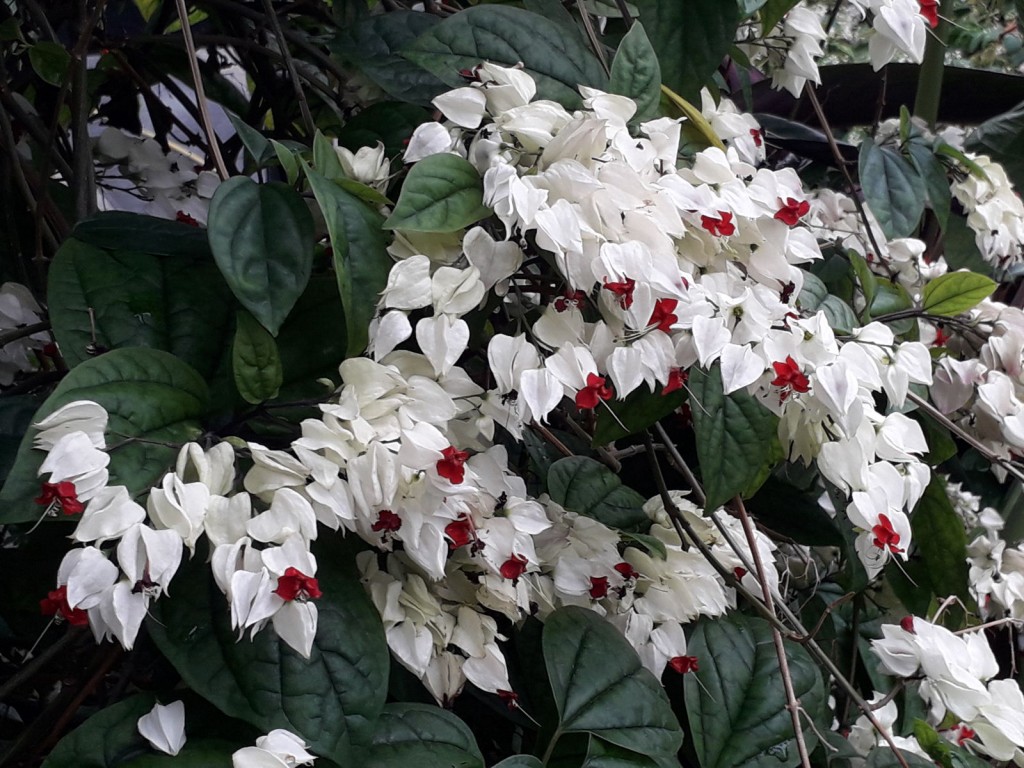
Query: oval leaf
(150, 395)
(940, 539)
(736, 437)
(955, 293)
(735, 700)
(507, 36)
(588, 487)
(520, 761)
(600, 686)
(442, 193)
(254, 360)
(639, 410)
(893, 188)
(361, 260)
(261, 236)
(636, 73)
(341, 687)
(423, 736)
(116, 296)
(107, 739)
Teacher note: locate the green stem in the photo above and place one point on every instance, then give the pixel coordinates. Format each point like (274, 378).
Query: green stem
(551, 746)
(929, 78)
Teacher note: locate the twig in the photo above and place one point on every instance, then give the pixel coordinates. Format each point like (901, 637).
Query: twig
(32, 666)
(595, 42)
(681, 465)
(289, 64)
(546, 434)
(610, 460)
(972, 441)
(26, 330)
(197, 82)
(84, 181)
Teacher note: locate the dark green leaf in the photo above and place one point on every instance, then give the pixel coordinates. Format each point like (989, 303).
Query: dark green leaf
(936, 183)
(177, 302)
(325, 158)
(197, 753)
(149, 394)
(554, 11)
(340, 689)
(16, 412)
(735, 436)
(864, 276)
(420, 735)
(892, 297)
(772, 13)
(107, 739)
(520, 761)
(1002, 139)
(893, 188)
(883, 757)
(254, 360)
(373, 47)
(814, 296)
(600, 686)
(442, 193)
(941, 445)
(261, 236)
(506, 36)
(955, 293)
(940, 539)
(123, 231)
(604, 755)
(652, 544)
(589, 488)
(256, 144)
(735, 700)
(286, 158)
(794, 513)
(639, 410)
(361, 261)
(312, 340)
(691, 38)
(50, 61)
(636, 73)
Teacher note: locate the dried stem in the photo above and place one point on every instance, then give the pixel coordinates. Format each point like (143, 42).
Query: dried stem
(289, 63)
(681, 465)
(197, 83)
(595, 41)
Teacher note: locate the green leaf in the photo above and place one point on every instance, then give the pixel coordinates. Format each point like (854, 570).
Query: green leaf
(883, 757)
(286, 158)
(373, 46)
(735, 700)
(636, 73)
(893, 188)
(554, 11)
(864, 276)
(107, 739)
(197, 753)
(176, 302)
(361, 261)
(254, 360)
(773, 11)
(256, 144)
(16, 412)
(936, 183)
(1002, 139)
(955, 293)
(420, 735)
(735, 436)
(325, 158)
(603, 755)
(150, 395)
(506, 36)
(123, 231)
(600, 686)
(520, 761)
(691, 38)
(639, 410)
(50, 61)
(261, 236)
(341, 688)
(652, 544)
(307, 353)
(892, 297)
(588, 487)
(442, 193)
(814, 297)
(940, 539)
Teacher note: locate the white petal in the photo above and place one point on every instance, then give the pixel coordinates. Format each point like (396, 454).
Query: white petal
(164, 727)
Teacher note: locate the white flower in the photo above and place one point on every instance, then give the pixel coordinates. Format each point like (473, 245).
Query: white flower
(75, 459)
(278, 749)
(108, 515)
(164, 727)
(78, 416)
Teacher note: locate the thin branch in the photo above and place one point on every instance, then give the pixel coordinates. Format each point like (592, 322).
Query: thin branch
(546, 434)
(289, 64)
(792, 703)
(595, 41)
(681, 465)
(197, 82)
(20, 333)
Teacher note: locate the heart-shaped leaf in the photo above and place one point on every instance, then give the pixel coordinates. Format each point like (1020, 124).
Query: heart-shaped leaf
(107, 739)
(520, 761)
(341, 688)
(636, 73)
(735, 700)
(639, 410)
(361, 261)
(155, 402)
(736, 437)
(261, 236)
(600, 686)
(893, 188)
(169, 297)
(442, 193)
(509, 36)
(255, 361)
(588, 487)
(420, 735)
